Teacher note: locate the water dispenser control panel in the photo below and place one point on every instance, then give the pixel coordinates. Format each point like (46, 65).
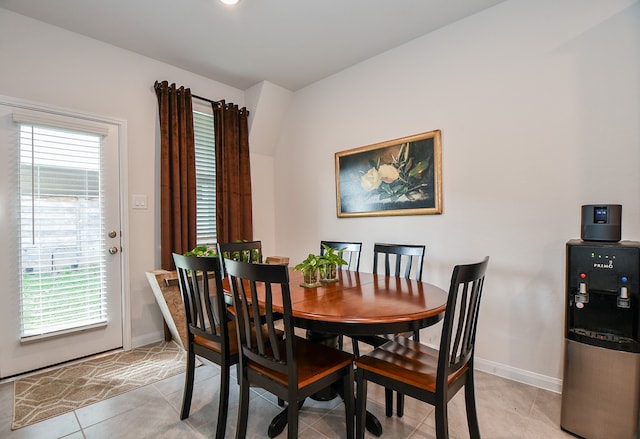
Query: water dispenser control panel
(603, 294)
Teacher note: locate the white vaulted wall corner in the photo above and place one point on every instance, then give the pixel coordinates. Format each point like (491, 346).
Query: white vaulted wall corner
(539, 107)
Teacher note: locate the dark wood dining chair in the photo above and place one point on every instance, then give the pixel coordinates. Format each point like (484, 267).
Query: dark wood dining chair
(400, 260)
(403, 257)
(210, 332)
(430, 375)
(350, 252)
(247, 251)
(292, 369)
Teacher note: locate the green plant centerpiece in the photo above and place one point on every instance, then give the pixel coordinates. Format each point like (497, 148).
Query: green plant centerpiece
(201, 250)
(309, 269)
(330, 260)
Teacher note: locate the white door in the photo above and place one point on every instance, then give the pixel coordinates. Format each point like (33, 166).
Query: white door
(61, 265)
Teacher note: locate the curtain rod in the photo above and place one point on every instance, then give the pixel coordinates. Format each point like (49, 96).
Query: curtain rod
(220, 103)
(216, 102)
(205, 99)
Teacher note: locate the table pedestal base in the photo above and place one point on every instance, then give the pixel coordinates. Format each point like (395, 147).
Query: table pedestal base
(278, 423)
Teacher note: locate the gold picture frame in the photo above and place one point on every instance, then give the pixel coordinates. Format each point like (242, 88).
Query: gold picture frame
(397, 177)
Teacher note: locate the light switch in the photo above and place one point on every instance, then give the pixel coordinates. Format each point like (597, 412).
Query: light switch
(139, 201)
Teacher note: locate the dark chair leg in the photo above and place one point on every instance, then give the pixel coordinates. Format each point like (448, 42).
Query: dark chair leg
(400, 404)
(356, 350)
(470, 402)
(442, 422)
(223, 406)
(388, 402)
(400, 396)
(349, 403)
(292, 421)
(361, 403)
(243, 408)
(188, 384)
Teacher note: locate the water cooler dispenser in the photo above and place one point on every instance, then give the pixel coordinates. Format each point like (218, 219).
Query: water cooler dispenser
(601, 383)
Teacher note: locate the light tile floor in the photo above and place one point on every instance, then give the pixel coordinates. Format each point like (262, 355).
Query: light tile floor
(507, 410)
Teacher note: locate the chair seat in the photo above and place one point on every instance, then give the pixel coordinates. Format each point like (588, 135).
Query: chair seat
(216, 346)
(233, 339)
(406, 361)
(314, 361)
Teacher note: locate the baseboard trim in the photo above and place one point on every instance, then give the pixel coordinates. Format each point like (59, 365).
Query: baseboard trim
(487, 366)
(520, 375)
(147, 339)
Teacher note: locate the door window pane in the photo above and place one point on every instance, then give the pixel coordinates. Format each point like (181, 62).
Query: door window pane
(62, 264)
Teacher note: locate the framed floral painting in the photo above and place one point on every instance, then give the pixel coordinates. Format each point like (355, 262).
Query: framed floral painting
(397, 177)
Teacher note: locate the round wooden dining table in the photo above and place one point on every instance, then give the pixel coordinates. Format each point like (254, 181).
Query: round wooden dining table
(361, 304)
(365, 304)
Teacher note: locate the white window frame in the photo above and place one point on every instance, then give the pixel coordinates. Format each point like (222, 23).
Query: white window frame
(21, 105)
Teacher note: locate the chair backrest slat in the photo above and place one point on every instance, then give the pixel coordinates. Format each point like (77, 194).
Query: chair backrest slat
(244, 313)
(246, 251)
(461, 326)
(457, 342)
(271, 321)
(204, 317)
(256, 317)
(251, 284)
(402, 255)
(351, 252)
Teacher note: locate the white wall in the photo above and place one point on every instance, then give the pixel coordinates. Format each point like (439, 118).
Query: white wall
(48, 65)
(268, 103)
(539, 107)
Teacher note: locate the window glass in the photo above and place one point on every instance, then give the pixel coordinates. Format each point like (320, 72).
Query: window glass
(205, 178)
(63, 282)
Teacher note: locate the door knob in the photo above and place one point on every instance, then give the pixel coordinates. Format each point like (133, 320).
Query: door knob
(113, 250)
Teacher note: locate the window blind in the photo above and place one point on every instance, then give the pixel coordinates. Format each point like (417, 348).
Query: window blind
(62, 263)
(205, 178)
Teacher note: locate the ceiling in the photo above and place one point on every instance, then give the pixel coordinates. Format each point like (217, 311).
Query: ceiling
(291, 43)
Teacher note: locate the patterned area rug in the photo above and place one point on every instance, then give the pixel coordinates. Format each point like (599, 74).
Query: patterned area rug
(59, 391)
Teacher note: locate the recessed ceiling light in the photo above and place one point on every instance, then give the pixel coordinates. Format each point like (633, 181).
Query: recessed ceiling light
(230, 2)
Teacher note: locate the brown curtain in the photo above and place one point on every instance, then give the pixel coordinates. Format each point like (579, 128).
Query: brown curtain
(177, 172)
(233, 173)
